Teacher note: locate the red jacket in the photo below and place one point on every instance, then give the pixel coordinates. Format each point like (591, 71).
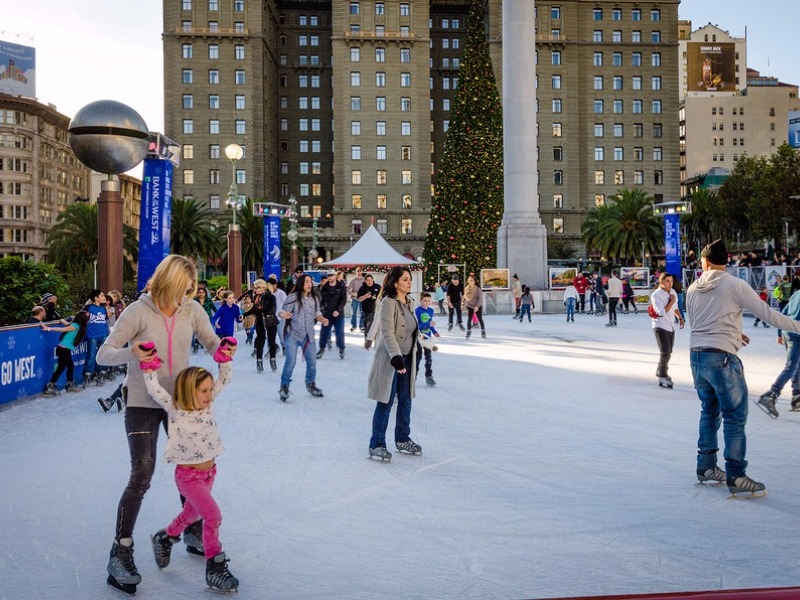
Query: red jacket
(580, 284)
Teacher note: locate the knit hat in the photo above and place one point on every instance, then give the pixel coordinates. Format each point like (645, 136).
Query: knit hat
(46, 297)
(455, 276)
(716, 253)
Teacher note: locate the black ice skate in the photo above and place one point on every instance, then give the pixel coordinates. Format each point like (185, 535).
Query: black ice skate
(193, 538)
(743, 484)
(162, 547)
(796, 402)
(380, 453)
(273, 365)
(218, 577)
(767, 403)
(284, 393)
(409, 446)
(430, 381)
(122, 573)
(314, 390)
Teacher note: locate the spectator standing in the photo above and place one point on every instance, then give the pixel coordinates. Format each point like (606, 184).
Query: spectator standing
(614, 293)
(765, 297)
(37, 315)
(97, 331)
(49, 302)
(571, 297)
(516, 293)
(714, 303)
(664, 301)
(333, 298)
(455, 292)
(581, 284)
(368, 295)
(357, 318)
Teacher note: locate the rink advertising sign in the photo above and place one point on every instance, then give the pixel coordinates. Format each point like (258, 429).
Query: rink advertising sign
(155, 217)
(27, 361)
(711, 67)
(794, 128)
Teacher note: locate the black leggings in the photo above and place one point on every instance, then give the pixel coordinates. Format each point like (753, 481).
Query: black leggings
(479, 313)
(141, 427)
(65, 361)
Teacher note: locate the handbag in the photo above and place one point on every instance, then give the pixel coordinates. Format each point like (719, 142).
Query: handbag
(270, 321)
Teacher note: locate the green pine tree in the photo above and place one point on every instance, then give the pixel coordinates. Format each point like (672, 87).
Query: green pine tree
(468, 199)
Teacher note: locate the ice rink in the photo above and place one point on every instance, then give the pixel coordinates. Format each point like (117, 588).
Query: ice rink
(553, 465)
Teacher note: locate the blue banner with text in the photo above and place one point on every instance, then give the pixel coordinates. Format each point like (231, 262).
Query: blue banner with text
(155, 217)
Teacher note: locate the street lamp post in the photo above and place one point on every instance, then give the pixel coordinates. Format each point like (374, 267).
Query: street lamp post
(312, 254)
(234, 152)
(292, 233)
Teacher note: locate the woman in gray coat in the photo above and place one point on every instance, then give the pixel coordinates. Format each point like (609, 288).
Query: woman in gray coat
(393, 368)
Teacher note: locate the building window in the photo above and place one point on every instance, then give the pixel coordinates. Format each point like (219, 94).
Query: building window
(597, 35)
(355, 127)
(213, 176)
(619, 153)
(555, 57)
(616, 59)
(239, 77)
(186, 51)
(355, 8)
(213, 76)
(188, 126)
(655, 37)
(558, 177)
(655, 59)
(213, 126)
(380, 152)
(655, 14)
(380, 103)
(405, 79)
(597, 106)
(556, 105)
(557, 130)
(658, 176)
(188, 176)
(558, 153)
(238, 52)
(616, 14)
(599, 177)
(355, 103)
(558, 224)
(355, 226)
(405, 55)
(405, 128)
(355, 152)
(599, 199)
(638, 177)
(213, 51)
(239, 102)
(598, 82)
(213, 151)
(616, 36)
(657, 153)
(558, 201)
(555, 82)
(188, 101)
(241, 127)
(381, 200)
(599, 153)
(380, 79)
(405, 9)
(405, 179)
(638, 154)
(636, 82)
(380, 55)
(186, 76)
(619, 177)
(405, 104)
(656, 107)
(382, 226)
(636, 107)
(188, 151)
(406, 227)
(599, 130)
(636, 37)
(597, 14)
(636, 14)
(597, 59)
(555, 13)
(617, 82)
(636, 59)
(619, 107)
(355, 79)
(619, 130)
(655, 82)
(355, 201)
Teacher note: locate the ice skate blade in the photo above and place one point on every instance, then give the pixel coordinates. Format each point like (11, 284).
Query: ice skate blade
(772, 413)
(127, 588)
(380, 458)
(747, 495)
(195, 551)
(214, 590)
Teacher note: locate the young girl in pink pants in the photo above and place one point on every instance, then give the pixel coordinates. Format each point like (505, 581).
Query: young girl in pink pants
(193, 442)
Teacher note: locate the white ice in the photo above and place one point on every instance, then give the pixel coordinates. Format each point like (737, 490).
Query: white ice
(553, 466)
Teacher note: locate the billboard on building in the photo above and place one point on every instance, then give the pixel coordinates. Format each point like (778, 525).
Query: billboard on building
(17, 70)
(711, 67)
(794, 128)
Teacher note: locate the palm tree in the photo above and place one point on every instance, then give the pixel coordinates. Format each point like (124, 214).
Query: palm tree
(624, 229)
(252, 229)
(193, 231)
(701, 223)
(73, 241)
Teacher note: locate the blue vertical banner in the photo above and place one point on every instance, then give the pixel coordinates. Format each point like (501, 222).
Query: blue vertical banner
(155, 217)
(672, 243)
(272, 246)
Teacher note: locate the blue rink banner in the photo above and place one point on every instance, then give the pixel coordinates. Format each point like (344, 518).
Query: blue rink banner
(28, 359)
(672, 242)
(155, 217)
(272, 246)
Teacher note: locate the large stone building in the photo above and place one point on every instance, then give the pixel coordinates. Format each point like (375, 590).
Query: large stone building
(39, 175)
(732, 110)
(345, 105)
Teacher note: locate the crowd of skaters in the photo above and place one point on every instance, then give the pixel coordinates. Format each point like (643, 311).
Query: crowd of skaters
(401, 334)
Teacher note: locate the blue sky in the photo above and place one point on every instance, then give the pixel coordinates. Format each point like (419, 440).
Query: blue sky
(89, 50)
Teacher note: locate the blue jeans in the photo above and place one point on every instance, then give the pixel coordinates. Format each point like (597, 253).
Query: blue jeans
(524, 309)
(358, 314)
(325, 332)
(309, 354)
(92, 345)
(401, 387)
(790, 369)
(719, 380)
(570, 308)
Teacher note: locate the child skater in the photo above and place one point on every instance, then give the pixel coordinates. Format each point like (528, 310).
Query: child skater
(227, 315)
(193, 443)
(71, 336)
(424, 314)
(525, 303)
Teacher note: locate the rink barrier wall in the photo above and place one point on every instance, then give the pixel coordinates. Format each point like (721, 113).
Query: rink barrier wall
(28, 359)
(789, 593)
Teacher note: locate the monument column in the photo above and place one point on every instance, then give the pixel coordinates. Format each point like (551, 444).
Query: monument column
(110, 235)
(521, 238)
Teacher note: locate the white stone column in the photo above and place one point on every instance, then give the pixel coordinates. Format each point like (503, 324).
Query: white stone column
(521, 238)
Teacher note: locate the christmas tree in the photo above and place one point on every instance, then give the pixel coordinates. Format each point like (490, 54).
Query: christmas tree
(468, 200)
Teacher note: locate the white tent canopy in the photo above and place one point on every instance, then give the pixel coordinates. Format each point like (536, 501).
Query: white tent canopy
(371, 249)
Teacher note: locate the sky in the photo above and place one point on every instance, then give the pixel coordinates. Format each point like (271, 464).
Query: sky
(88, 50)
(552, 466)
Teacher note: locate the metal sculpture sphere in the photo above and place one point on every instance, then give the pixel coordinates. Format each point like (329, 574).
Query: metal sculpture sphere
(108, 136)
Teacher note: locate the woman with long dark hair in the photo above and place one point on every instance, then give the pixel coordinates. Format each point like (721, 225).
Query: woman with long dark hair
(301, 311)
(394, 366)
(71, 336)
